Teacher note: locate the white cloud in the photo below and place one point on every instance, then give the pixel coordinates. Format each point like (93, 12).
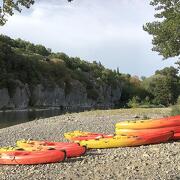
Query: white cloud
(110, 31)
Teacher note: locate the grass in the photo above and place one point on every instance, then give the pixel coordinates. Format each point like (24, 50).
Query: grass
(141, 112)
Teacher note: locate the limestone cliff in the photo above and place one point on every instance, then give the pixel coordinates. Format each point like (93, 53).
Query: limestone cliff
(42, 96)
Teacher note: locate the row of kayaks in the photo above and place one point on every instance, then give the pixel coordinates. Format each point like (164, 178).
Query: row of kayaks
(151, 126)
(131, 133)
(127, 134)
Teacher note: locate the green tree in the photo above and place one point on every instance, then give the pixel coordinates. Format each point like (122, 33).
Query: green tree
(39, 49)
(9, 6)
(166, 29)
(164, 86)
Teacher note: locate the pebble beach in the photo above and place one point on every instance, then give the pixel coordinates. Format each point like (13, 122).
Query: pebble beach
(160, 161)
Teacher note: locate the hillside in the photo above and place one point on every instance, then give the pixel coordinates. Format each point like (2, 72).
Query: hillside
(32, 75)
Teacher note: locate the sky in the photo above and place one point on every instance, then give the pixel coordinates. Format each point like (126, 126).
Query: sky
(101, 30)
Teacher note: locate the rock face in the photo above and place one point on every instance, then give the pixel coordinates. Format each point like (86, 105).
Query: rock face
(20, 98)
(76, 97)
(4, 98)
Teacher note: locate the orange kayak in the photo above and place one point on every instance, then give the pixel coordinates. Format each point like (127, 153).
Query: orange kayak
(157, 138)
(26, 157)
(72, 149)
(127, 141)
(140, 132)
(150, 124)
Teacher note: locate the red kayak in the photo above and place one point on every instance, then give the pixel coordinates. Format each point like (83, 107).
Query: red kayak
(72, 149)
(158, 138)
(26, 157)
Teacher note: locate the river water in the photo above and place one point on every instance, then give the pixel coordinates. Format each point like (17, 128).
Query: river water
(10, 118)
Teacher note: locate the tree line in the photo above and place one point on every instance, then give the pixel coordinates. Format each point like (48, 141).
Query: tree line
(35, 64)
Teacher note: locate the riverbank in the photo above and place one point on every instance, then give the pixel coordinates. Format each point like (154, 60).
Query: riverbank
(160, 161)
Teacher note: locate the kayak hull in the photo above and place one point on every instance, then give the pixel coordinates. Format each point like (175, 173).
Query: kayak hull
(127, 141)
(77, 136)
(144, 132)
(30, 158)
(150, 124)
(89, 137)
(72, 149)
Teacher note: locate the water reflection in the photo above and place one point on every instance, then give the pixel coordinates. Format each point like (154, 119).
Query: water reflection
(10, 118)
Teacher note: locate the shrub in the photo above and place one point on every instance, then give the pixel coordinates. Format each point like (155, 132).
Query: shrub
(134, 102)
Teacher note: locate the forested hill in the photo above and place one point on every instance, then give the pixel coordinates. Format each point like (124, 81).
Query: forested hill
(32, 75)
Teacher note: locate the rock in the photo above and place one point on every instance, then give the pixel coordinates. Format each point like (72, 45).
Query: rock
(4, 98)
(54, 96)
(20, 98)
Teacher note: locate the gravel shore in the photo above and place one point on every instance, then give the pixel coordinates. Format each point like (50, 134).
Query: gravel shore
(160, 161)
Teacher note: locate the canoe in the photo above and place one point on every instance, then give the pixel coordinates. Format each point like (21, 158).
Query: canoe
(77, 136)
(72, 149)
(127, 141)
(25, 157)
(150, 124)
(140, 132)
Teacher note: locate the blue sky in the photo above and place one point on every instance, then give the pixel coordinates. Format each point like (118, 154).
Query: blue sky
(101, 30)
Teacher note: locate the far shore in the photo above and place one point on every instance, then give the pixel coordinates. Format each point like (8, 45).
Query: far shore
(30, 109)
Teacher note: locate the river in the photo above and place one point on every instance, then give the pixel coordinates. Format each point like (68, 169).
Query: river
(10, 118)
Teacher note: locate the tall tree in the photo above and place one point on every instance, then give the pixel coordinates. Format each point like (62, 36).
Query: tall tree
(166, 29)
(9, 6)
(164, 86)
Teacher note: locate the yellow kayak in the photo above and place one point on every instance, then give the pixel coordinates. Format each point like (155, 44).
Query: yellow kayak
(130, 124)
(31, 145)
(74, 134)
(118, 141)
(7, 149)
(127, 141)
(70, 135)
(27, 145)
